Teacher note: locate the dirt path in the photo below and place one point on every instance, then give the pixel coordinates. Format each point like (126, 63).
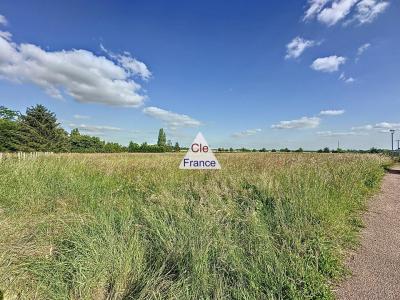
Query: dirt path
(375, 265)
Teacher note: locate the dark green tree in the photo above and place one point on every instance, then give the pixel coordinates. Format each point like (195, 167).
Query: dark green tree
(133, 147)
(85, 143)
(176, 147)
(9, 130)
(40, 131)
(162, 138)
(8, 114)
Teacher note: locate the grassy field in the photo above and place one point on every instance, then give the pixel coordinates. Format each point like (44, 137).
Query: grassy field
(120, 226)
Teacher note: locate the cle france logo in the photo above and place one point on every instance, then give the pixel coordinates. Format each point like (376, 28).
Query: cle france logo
(199, 156)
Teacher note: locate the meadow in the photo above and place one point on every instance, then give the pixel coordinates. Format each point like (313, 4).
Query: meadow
(134, 226)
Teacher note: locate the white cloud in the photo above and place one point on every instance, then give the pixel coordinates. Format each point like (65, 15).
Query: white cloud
(3, 20)
(171, 119)
(330, 12)
(364, 127)
(304, 122)
(315, 7)
(5, 35)
(338, 133)
(331, 112)
(338, 11)
(387, 125)
(79, 73)
(297, 46)
(346, 79)
(248, 132)
(328, 64)
(94, 128)
(81, 117)
(130, 64)
(368, 10)
(382, 126)
(362, 48)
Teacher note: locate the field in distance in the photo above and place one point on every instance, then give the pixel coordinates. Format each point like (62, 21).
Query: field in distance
(134, 226)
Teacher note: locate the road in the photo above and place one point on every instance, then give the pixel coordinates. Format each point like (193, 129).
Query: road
(375, 265)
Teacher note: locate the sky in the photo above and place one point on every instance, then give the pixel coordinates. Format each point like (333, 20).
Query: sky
(252, 74)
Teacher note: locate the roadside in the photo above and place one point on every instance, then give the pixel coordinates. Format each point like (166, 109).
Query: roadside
(375, 265)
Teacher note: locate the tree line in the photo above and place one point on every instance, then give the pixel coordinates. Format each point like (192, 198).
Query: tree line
(39, 130)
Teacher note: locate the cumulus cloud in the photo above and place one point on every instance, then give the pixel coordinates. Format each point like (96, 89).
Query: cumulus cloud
(78, 73)
(94, 128)
(346, 79)
(171, 119)
(248, 132)
(5, 35)
(315, 7)
(297, 46)
(328, 64)
(81, 117)
(331, 112)
(3, 20)
(130, 64)
(368, 10)
(330, 12)
(304, 122)
(338, 11)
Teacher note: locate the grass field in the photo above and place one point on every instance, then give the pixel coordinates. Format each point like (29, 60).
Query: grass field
(120, 226)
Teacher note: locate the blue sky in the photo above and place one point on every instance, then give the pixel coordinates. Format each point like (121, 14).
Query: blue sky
(245, 73)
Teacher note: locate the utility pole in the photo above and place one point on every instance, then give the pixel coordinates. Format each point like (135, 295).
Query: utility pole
(338, 145)
(392, 133)
(398, 144)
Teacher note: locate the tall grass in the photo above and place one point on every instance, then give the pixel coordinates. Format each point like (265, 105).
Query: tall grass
(266, 226)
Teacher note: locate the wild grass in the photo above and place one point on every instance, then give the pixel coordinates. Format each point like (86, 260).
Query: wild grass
(133, 226)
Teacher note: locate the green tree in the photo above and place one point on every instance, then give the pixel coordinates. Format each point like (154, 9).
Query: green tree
(40, 131)
(176, 147)
(85, 143)
(162, 138)
(113, 148)
(9, 130)
(8, 114)
(133, 147)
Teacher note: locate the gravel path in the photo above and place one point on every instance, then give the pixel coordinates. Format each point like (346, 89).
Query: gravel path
(375, 266)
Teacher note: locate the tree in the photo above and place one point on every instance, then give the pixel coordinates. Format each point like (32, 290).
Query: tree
(176, 147)
(41, 132)
(9, 130)
(162, 138)
(113, 148)
(133, 147)
(85, 143)
(8, 114)
(326, 150)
